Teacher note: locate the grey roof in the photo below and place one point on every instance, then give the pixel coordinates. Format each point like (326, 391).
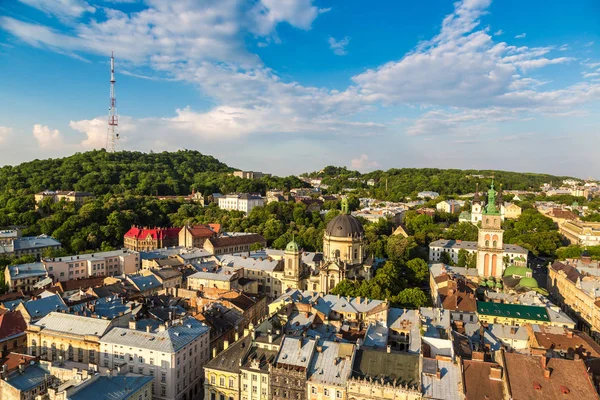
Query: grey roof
(112, 388)
(74, 324)
(344, 225)
(41, 307)
(509, 332)
(23, 271)
(328, 303)
(447, 387)
(219, 274)
(439, 268)
(32, 377)
(376, 336)
(250, 263)
(230, 359)
(101, 255)
(296, 351)
(332, 363)
(168, 341)
(402, 320)
(165, 252)
(30, 242)
(106, 307)
(144, 283)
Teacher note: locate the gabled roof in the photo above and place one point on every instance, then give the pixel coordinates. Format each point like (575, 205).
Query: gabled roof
(237, 240)
(143, 283)
(74, 324)
(203, 230)
(22, 271)
(11, 324)
(570, 271)
(76, 284)
(154, 233)
(113, 388)
(296, 352)
(42, 307)
(331, 363)
(379, 364)
(170, 340)
(230, 359)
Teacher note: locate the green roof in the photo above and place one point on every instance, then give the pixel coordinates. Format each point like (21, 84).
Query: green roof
(528, 282)
(292, 247)
(518, 311)
(518, 271)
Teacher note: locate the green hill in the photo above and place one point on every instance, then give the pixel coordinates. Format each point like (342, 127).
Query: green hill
(409, 181)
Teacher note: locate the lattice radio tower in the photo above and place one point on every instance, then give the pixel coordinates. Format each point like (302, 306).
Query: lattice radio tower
(112, 136)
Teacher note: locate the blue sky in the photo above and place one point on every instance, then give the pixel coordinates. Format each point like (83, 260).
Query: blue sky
(291, 86)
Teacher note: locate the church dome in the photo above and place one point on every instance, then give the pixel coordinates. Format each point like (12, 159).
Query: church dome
(292, 247)
(344, 225)
(528, 282)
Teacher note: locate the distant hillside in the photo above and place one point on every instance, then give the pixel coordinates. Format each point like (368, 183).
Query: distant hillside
(409, 181)
(125, 172)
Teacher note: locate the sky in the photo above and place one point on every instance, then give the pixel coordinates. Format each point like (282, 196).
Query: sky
(290, 86)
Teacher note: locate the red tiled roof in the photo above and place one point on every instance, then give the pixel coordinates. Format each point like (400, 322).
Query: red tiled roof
(215, 227)
(478, 385)
(13, 360)
(201, 230)
(12, 296)
(11, 323)
(155, 233)
(568, 378)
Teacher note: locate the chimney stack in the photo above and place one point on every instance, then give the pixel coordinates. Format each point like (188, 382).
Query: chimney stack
(496, 373)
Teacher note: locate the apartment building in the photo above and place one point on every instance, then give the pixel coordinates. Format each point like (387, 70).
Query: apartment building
(582, 233)
(60, 336)
(233, 243)
(240, 202)
(66, 195)
(28, 245)
(174, 355)
(107, 263)
(23, 277)
(143, 238)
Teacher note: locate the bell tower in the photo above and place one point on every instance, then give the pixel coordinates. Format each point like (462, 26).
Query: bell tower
(490, 244)
(292, 268)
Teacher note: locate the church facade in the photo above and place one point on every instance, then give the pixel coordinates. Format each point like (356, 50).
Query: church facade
(344, 257)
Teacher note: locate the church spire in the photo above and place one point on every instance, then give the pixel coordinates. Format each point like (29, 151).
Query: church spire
(476, 198)
(490, 207)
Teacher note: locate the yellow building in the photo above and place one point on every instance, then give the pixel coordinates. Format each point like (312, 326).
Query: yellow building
(511, 211)
(576, 294)
(60, 336)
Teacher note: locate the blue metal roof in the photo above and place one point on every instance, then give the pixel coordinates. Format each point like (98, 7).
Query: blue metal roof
(11, 305)
(145, 282)
(34, 242)
(112, 388)
(109, 307)
(21, 271)
(32, 377)
(42, 307)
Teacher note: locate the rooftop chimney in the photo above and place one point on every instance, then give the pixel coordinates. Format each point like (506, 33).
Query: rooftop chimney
(570, 334)
(148, 328)
(496, 373)
(546, 373)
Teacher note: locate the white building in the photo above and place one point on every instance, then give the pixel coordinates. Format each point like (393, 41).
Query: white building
(174, 355)
(428, 193)
(450, 206)
(452, 247)
(107, 263)
(240, 202)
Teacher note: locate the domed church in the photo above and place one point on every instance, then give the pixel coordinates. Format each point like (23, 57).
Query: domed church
(344, 257)
(344, 251)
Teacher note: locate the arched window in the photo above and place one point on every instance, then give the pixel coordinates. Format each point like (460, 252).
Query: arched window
(336, 254)
(33, 347)
(495, 244)
(44, 348)
(53, 351)
(487, 243)
(70, 353)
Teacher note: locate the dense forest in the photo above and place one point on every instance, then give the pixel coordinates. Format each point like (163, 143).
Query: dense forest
(407, 182)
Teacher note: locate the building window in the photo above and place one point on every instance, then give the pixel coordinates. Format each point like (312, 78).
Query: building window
(313, 390)
(326, 392)
(338, 394)
(212, 380)
(230, 382)
(33, 347)
(221, 381)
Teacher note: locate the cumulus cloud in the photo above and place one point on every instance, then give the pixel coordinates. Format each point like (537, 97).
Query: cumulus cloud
(362, 163)
(46, 137)
(62, 9)
(339, 46)
(5, 132)
(499, 32)
(521, 36)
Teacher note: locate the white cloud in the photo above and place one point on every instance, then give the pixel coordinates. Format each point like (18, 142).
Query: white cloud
(591, 74)
(298, 13)
(339, 46)
(564, 47)
(521, 36)
(589, 44)
(63, 9)
(5, 132)
(46, 137)
(363, 163)
(499, 32)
